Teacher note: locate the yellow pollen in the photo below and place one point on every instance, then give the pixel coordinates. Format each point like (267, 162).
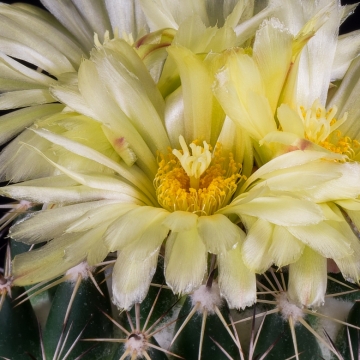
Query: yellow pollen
(215, 185)
(321, 126)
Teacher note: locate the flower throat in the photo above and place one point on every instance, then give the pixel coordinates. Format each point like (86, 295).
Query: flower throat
(200, 182)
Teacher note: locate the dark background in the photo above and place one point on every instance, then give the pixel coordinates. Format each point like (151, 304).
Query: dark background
(352, 23)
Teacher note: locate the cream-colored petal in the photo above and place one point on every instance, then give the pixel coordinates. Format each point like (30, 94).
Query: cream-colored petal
(280, 210)
(150, 241)
(126, 17)
(24, 98)
(240, 91)
(11, 124)
(272, 53)
(237, 283)
(218, 233)
(109, 211)
(98, 181)
(131, 279)
(185, 261)
(104, 108)
(196, 87)
(44, 225)
(130, 226)
(286, 161)
(285, 248)
(290, 120)
(72, 20)
(89, 242)
(181, 221)
(29, 25)
(62, 195)
(308, 279)
(255, 249)
(133, 174)
(323, 238)
(347, 48)
(45, 263)
(142, 100)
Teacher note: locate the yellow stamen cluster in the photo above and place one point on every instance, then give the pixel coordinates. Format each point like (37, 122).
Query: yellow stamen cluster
(216, 184)
(320, 127)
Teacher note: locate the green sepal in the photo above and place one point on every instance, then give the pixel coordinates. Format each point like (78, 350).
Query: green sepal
(85, 313)
(19, 331)
(276, 330)
(187, 343)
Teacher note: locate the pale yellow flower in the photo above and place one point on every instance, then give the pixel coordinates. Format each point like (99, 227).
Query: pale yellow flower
(278, 94)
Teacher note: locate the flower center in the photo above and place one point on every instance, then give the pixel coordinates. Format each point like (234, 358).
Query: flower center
(321, 128)
(200, 182)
